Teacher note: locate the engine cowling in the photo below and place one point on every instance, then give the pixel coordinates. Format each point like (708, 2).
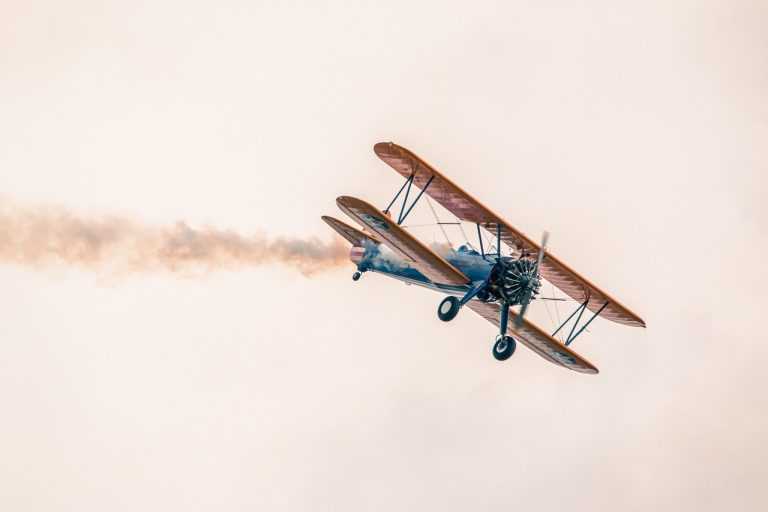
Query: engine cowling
(515, 281)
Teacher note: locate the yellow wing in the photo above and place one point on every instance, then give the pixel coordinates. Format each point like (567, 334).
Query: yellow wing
(469, 209)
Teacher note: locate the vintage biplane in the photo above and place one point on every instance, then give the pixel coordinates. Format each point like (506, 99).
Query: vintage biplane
(488, 282)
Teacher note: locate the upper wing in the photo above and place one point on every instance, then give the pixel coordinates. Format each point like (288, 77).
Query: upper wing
(354, 236)
(396, 238)
(469, 209)
(535, 339)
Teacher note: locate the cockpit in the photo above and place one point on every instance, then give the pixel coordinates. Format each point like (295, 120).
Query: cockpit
(467, 249)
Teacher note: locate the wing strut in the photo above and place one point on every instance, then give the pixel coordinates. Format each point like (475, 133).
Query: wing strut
(404, 215)
(571, 337)
(498, 241)
(480, 238)
(407, 182)
(403, 212)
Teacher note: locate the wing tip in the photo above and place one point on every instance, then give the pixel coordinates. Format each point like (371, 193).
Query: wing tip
(349, 201)
(586, 367)
(331, 221)
(342, 200)
(386, 149)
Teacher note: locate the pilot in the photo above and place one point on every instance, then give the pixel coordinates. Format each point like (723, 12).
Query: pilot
(466, 249)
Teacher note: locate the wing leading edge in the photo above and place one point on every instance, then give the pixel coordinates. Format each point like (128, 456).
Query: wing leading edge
(469, 209)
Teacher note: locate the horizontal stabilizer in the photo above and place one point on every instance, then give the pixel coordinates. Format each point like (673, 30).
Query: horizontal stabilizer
(353, 235)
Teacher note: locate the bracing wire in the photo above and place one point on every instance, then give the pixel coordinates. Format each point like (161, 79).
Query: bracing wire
(430, 225)
(464, 233)
(557, 310)
(549, 314)
(489, 242)
(439, 224)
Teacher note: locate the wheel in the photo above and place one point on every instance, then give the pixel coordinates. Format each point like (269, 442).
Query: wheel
(356, 276)
(504, 347)
(448, 309)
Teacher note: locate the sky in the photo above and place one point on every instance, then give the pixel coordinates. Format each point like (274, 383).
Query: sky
(635, 134)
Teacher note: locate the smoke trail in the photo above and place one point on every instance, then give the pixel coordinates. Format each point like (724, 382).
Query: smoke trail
(50, 235)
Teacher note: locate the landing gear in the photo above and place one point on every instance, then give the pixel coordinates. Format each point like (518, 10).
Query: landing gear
(356, 276)
(504, 347)
(448, 308)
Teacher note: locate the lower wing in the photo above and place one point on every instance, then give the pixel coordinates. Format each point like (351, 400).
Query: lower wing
(535, 339)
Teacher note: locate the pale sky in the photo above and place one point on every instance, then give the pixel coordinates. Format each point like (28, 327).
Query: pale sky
(636, 134)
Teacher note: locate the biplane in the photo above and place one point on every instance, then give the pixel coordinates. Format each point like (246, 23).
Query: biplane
(486, 281)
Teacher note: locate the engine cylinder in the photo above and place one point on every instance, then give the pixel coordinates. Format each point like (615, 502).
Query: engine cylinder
(515, 280)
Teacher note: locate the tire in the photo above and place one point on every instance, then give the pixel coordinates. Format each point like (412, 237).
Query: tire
(448, 309)
(504, 348)
(356, 276)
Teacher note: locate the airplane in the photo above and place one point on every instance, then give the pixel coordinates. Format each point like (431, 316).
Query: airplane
(486, 282)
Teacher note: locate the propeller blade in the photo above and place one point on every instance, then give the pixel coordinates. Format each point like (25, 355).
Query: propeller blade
(519, 317)
(544, 239)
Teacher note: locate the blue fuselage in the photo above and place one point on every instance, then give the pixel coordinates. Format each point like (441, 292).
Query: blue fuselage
(470, 262)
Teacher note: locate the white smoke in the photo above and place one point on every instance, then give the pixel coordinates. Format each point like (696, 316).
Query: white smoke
(37, 237)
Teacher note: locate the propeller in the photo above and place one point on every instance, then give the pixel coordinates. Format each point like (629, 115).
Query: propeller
(532, 283)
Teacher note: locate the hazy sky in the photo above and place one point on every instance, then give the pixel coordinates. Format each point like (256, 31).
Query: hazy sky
(636, 134)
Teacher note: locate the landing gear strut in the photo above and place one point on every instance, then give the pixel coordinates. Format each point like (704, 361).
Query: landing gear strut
(505, 345)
